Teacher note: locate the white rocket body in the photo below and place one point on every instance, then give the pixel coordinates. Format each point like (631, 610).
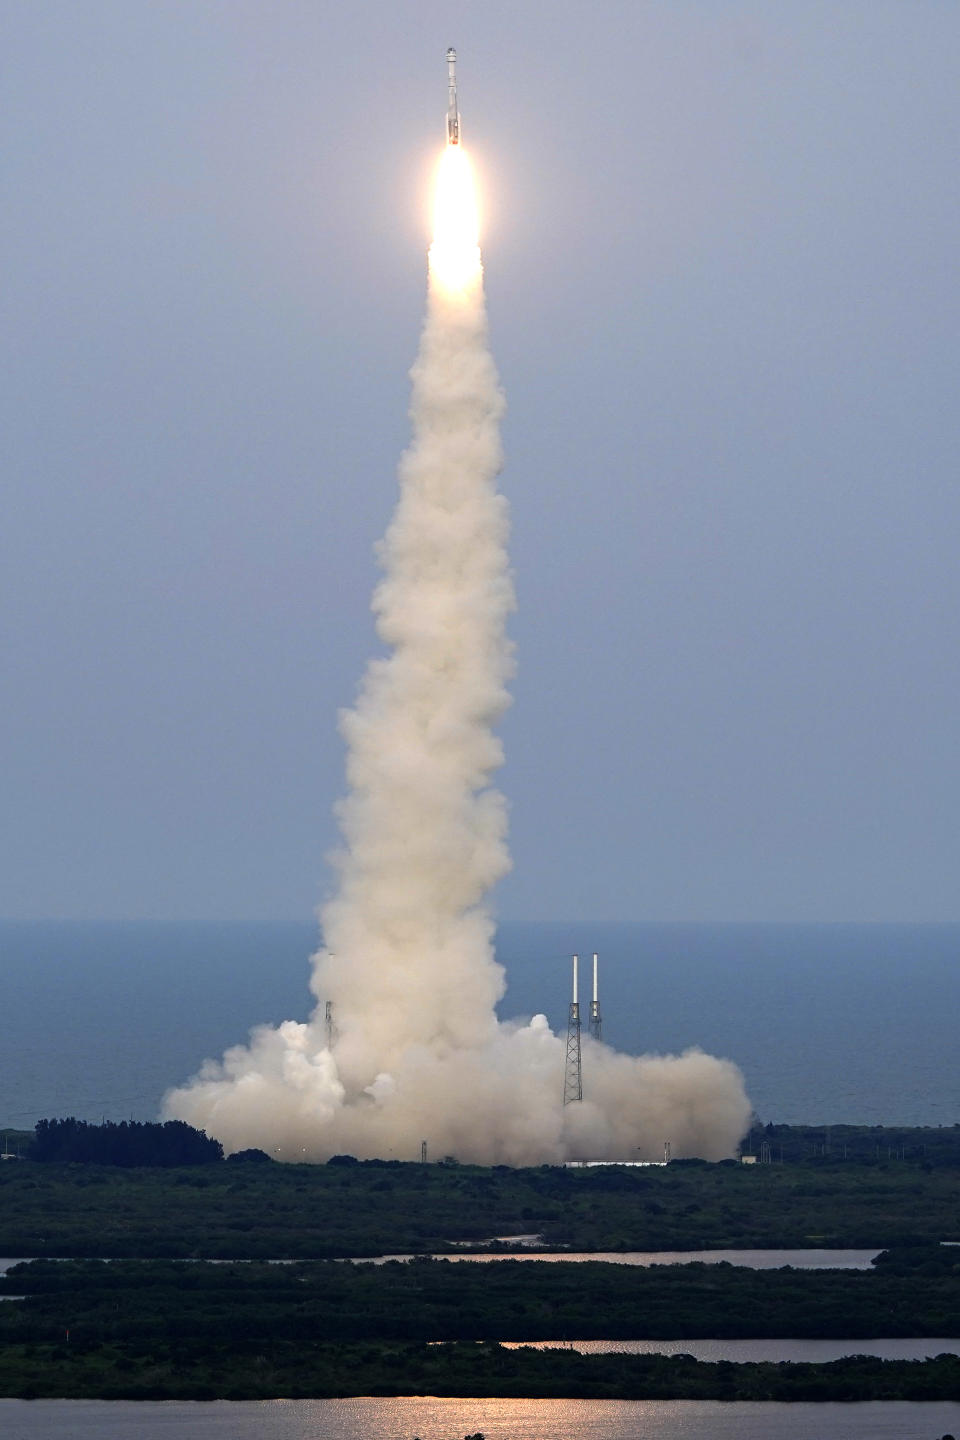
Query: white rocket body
(453, 114)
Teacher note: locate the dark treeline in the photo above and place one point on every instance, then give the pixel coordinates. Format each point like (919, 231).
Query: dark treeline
(129, 1143)
(859, 1144)
(775, 1144)
(920, 1260)
(249, 1306)
(80, 1142)
(169, 1330)
(225, 1210)
(303, 1371)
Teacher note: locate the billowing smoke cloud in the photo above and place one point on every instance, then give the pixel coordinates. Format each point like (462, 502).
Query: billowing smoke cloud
(416, 1050)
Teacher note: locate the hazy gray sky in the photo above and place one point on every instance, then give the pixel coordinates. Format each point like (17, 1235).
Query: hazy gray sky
(721, 246)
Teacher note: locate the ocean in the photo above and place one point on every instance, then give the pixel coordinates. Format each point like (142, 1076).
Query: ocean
(829, 1023)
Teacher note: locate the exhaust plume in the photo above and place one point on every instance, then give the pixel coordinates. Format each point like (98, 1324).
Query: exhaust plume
(415, 1049)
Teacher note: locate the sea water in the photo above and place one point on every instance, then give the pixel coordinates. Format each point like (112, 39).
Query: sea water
(829, 1023)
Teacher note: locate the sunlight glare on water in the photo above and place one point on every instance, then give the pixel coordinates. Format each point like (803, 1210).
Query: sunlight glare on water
(436, 1419)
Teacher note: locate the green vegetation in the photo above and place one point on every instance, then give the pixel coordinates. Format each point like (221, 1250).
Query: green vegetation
(198, 1303)
(939, 1145)
(179, 1330)
(129, 1143)
(152, 1325)
(227, 1210)
(920, 1260)
(67, 1371)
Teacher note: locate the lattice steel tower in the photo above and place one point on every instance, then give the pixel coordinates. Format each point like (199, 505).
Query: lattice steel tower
(573, 1073)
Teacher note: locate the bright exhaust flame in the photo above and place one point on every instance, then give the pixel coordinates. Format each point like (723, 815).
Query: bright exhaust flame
(455, 252)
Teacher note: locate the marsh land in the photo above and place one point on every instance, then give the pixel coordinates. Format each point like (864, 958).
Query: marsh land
(161, 1321)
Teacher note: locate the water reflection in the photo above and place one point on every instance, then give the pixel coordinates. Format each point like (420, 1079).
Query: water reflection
(433, 1419)
(811, 1351)
(749, 1259)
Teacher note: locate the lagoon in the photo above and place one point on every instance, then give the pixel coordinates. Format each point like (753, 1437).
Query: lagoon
(773, 1351)
(436, 1419)
(748, 1259)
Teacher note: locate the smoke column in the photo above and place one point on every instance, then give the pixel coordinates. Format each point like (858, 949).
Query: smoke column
(416, 1050)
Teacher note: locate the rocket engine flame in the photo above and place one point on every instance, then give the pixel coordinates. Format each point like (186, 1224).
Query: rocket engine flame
(455, 253)
(416, 1049)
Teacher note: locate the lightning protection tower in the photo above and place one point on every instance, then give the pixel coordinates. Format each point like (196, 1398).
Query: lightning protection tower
(596, 1024)
(573, 1073)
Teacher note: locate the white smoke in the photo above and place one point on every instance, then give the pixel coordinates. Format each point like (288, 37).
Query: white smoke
(417, 1051)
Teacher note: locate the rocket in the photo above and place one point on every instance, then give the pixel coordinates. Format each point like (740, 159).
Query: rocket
(453, 114)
